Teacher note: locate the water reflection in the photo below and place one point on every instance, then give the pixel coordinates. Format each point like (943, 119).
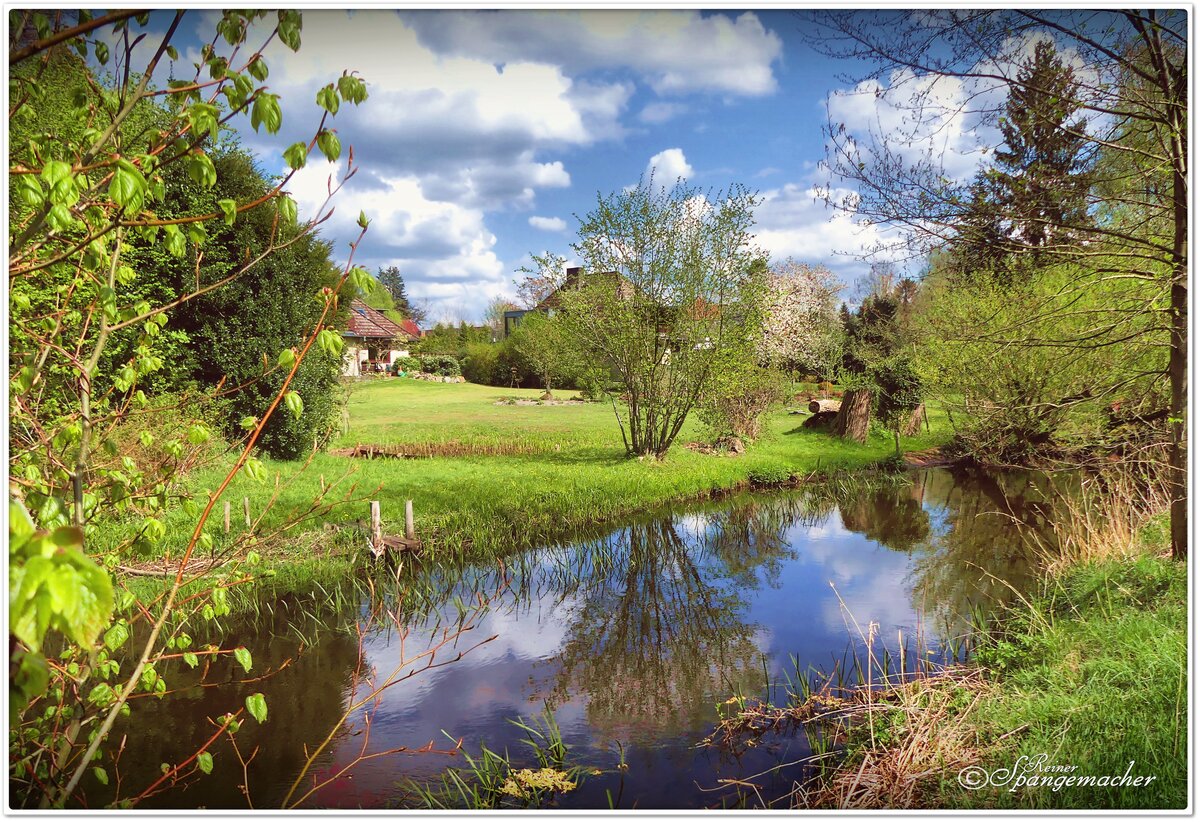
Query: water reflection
(631, 635)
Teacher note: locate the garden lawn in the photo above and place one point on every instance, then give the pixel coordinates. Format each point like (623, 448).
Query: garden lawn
(568, 469)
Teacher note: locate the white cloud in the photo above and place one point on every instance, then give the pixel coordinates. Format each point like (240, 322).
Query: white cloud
(548, 223)
(673, 51)
(444, 250)
(669, 165)
(794, 221)
(660, 112)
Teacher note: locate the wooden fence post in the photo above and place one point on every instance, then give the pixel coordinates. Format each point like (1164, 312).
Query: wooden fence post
(227, 516)
(246, 509)
(376, 529)
(410, 531)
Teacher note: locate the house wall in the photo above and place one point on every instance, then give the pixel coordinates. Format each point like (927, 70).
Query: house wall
(355, 357)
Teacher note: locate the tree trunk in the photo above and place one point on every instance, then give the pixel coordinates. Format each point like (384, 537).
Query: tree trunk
(854, 417)
(913, 425)
(817, 406)
(1177, 364)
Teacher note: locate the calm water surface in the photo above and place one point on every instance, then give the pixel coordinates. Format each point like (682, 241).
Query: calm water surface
(630, 637)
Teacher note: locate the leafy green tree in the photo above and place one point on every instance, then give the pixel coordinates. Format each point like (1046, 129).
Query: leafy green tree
(666, 293)
(543, 342)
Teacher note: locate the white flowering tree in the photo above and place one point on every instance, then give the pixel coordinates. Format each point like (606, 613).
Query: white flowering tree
(799, 316)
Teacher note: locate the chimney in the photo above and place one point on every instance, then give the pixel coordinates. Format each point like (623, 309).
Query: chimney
(573, 273)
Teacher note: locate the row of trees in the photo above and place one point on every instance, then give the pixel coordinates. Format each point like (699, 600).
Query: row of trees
(1055, 306)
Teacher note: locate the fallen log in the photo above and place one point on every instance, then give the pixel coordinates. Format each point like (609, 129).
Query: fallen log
(820, 420)
(817, 406)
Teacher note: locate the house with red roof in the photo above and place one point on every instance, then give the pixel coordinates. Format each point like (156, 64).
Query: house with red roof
(374, 341)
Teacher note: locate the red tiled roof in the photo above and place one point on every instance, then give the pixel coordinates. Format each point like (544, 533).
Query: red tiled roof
(369, 323)
(412, 329)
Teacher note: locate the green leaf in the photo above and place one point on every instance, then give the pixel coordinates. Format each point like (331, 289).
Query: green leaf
(204, 761)
(199, 434)
(55, 170)
(258, 69)
(175, 242)
(190, 659)
(242, 655)
(296, 155)
(173, 52)
(255, 470)
(290, 24)
(352, 89)
(256, 704)
(116, 636)
(229, 209)
(327, 99)
(200, 168)
(266, 112)
(330, 341)
(248, 423)
(329, 144)
(101, 775)
(363, 222)
(102, 53)
(287, 209)
(287, 358)
(294, 404)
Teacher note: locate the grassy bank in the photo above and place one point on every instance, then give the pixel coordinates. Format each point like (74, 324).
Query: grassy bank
(520, 474)
(1083, 679)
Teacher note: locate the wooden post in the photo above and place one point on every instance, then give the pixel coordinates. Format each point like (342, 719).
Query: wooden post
(227, 516)
(376, 529)
(410, 531)
(246, 509)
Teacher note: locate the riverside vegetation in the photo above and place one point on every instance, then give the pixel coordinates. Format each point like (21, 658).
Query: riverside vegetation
(1048, 330)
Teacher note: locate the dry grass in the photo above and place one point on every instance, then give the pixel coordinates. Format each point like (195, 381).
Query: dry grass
(1104, 521)
(925, 735)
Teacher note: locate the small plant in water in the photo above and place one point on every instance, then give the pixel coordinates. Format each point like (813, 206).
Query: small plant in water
(491, 781)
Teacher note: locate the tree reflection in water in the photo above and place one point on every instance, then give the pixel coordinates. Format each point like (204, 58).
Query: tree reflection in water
(661, 633)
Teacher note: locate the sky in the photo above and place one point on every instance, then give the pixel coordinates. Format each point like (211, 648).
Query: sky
(487, 132)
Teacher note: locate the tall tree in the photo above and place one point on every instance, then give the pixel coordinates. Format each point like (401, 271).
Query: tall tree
(1033, 200)
(1137, 85)
(393, 283)
(666, 293)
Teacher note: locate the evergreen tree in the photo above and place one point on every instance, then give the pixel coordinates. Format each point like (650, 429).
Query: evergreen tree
(391, 280)
(1034, 199)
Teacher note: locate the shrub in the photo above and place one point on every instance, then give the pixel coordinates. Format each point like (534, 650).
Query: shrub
(442, 365)
(826, 388)
(406, 364)
(595, 383)
(770, 475)
(737, 401)
(481, 364)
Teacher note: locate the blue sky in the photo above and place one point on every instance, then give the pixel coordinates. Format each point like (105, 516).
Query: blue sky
(486, 132)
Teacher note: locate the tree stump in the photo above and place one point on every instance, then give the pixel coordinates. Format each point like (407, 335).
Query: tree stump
(854, 417)
(912, 426)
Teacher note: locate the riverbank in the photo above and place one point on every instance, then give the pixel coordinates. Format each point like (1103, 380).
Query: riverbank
(1077, 699)
(489, 478)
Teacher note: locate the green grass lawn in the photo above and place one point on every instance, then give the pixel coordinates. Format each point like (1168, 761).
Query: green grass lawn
(567, 468)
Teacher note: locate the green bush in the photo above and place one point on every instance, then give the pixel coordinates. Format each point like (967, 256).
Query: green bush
(442, 365)
(770, 475)
(406, 365)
